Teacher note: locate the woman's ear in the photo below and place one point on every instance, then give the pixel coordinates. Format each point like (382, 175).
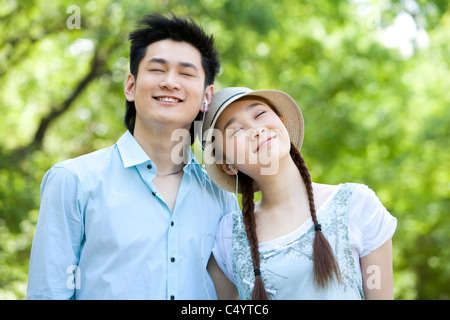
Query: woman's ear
(227, 168)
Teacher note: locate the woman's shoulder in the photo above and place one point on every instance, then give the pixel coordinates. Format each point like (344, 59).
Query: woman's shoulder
(355, 194)
(324, 187)
(322, 192)
(361, 198)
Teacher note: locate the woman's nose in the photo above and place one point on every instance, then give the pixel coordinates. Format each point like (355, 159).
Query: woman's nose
(257, 132)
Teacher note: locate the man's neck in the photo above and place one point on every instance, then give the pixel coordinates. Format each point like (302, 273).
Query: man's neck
(167, 148)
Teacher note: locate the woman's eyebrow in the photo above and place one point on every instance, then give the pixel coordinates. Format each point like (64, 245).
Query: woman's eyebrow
(247, 108)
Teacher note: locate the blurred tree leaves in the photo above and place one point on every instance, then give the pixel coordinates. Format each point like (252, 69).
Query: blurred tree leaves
(373, 115)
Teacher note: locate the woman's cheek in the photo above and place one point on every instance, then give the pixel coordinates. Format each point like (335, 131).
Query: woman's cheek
(236, 150)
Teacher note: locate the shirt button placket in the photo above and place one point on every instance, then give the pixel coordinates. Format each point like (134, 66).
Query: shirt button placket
(172, 264)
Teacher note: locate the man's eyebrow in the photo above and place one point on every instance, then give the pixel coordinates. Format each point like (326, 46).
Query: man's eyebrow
(187, 65)
(247, 108)
(158, 60)
(181, 63)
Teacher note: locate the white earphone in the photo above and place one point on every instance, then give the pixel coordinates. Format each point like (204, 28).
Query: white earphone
(232, 169)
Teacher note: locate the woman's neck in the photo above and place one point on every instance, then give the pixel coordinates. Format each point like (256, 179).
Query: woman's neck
(284, 205)
(282, 190)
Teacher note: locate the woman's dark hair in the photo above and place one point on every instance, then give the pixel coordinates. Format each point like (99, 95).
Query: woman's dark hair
(156, 27)
(325, 264)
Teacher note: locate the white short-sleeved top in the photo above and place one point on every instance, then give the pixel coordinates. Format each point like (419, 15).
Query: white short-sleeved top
(369, 226)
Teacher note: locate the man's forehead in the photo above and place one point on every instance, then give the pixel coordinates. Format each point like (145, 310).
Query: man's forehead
(170, 51)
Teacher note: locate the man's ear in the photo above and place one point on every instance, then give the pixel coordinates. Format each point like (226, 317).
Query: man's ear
(129, 88)
(207, 98)
(226, 168)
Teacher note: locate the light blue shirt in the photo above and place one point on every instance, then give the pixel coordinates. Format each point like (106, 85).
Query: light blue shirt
(104, 231)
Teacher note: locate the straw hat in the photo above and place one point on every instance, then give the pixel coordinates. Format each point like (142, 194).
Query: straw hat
(286, 107)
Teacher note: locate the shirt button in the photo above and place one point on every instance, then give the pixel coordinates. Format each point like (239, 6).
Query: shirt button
(172, 297)
(172, 259)
(149, 166)
(171, 223)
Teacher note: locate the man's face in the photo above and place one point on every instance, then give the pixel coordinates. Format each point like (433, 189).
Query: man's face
(170, 86)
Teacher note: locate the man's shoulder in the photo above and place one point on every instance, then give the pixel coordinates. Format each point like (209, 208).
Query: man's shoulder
(88, 163)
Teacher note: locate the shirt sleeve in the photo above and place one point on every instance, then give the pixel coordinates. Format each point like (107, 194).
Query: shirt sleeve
(222, 246)
(232, 203)
(57, 240)
(369, 221)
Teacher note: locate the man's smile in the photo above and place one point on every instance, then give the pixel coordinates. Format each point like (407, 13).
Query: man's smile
(168, 99)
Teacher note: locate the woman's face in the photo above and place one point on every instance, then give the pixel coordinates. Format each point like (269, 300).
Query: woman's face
(254, 137)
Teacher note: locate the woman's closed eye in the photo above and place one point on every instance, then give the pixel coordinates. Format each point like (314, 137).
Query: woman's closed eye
(235, 130)
(260, 113)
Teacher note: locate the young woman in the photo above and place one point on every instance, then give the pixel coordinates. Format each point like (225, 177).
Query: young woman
(303, 240)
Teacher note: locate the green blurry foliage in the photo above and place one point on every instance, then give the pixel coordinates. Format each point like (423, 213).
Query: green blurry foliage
(372, 114)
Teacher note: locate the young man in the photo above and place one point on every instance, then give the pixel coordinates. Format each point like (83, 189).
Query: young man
(129, 222)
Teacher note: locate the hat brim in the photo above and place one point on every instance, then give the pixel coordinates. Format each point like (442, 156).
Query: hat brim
(287, 109)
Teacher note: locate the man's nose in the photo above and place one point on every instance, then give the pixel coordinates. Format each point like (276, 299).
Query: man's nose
(170, 81)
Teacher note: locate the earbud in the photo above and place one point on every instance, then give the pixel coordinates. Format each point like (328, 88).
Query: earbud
(232, 169)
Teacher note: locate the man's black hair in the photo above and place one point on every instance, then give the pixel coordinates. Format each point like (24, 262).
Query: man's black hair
(156, 27)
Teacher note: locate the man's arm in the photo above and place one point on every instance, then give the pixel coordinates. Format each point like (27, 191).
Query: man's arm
(57, 240)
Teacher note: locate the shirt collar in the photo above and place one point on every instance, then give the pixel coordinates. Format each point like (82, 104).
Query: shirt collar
(132, 154)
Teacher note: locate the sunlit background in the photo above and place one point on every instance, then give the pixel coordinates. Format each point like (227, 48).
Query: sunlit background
(372, 79)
